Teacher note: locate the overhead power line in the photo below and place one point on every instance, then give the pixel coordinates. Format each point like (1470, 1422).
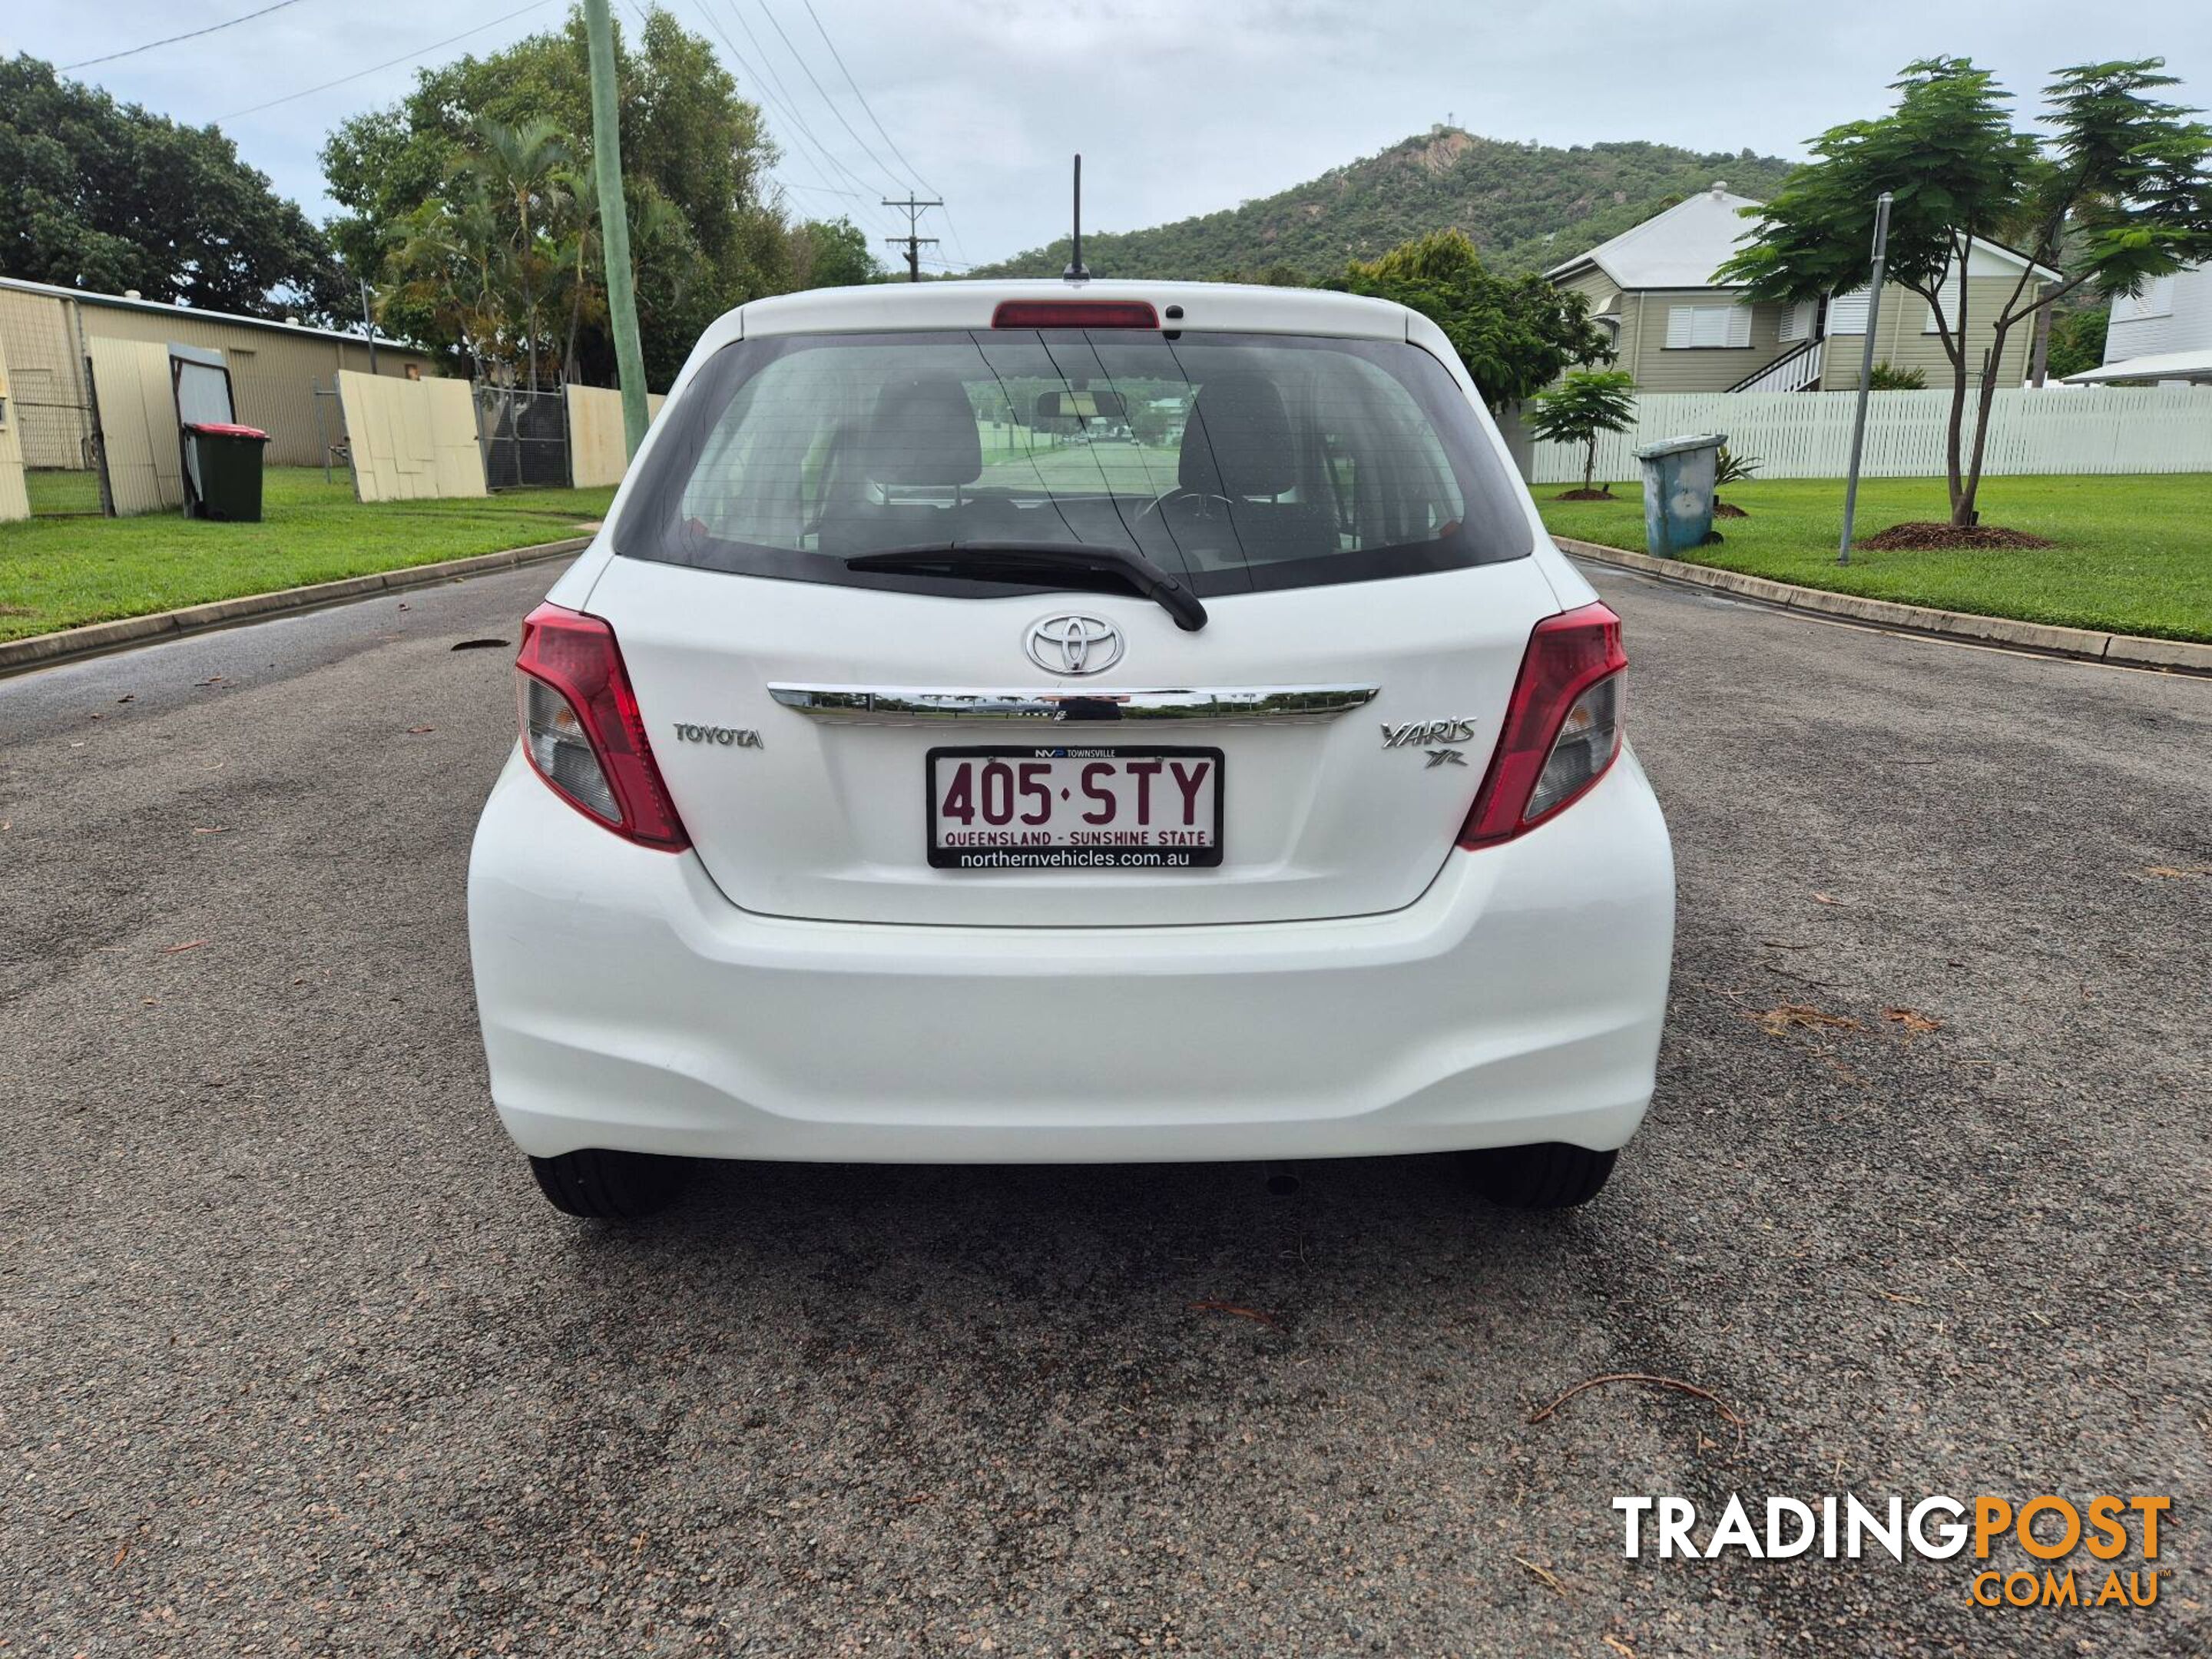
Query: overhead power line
(838, 58)
(389, 62)
(765, 77)
(171, 40)
(807, 69)
(825, 190)
(754, 76)
(913, 172)
(805, 144)
(958, 247)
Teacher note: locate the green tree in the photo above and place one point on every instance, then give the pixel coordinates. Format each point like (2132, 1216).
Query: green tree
(2077, 341)
(442, 275)
(1150, 421)
(837, 254)
(658, 237)
(521, 167)
(1583, 406)
(1275, 276)
(99, 195)
(2118, 186)
(690, 145)
(1515, 334)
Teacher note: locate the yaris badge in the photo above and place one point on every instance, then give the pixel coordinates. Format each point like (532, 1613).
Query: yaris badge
(1420, 734)
(1074, 645)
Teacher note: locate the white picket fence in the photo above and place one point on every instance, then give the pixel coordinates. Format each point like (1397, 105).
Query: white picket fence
(1807, 434)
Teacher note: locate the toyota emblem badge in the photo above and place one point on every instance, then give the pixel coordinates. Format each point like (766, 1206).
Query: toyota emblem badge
(1074, 645)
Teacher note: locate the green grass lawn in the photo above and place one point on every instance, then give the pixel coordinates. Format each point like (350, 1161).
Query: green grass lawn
(60, 572)
(2133, 554)
(62, 492)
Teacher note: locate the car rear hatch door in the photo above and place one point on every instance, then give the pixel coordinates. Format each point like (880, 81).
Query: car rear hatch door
(1322, 744)
(1358, 537)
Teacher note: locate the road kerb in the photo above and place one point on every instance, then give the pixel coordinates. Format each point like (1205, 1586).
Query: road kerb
(94, 639)
(2041, 639)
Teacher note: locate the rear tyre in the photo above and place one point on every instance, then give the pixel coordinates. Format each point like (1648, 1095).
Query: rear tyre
(604, 1186)
(1551, 1176)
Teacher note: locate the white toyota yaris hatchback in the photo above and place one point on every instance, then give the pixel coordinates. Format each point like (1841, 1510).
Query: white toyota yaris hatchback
(1053, 722)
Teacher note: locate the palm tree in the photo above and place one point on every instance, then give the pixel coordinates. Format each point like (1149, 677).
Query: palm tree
(657, 231)
(582, 258)
(446, 260)
(523, 167)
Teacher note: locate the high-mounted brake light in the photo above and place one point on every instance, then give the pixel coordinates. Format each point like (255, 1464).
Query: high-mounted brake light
(1075, 314)
(582, 731)
(1562, 728)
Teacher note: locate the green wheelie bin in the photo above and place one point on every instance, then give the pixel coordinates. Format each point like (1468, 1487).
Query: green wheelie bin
(223, 471)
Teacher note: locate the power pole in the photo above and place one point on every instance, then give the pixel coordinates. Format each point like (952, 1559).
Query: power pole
(914, 243)
(368, 322)
(1882, 203)
(614, 221)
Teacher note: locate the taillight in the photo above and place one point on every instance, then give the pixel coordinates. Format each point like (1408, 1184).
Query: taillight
(1562, 729)
(582, 732)
(1075, 314)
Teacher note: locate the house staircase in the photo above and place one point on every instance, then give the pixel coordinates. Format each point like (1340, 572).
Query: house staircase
(1792, 371)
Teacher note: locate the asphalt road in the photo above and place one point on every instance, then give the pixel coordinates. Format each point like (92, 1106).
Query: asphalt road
(293, 1358)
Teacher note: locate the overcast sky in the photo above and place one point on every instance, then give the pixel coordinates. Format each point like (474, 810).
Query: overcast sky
(1180, 107)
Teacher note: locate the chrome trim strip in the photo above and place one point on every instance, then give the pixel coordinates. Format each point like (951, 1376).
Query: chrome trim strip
(881, 705)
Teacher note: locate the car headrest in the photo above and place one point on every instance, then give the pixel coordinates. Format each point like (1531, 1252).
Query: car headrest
(1238, 440)
(923, 432)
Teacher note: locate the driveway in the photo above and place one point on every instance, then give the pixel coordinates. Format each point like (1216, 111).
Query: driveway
(293, 1358)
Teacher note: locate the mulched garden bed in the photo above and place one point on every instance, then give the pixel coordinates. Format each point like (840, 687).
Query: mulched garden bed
(1724, 510)
(1587, 495)
(1931, 537)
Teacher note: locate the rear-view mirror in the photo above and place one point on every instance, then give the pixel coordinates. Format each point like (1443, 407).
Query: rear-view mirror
(1056, 406)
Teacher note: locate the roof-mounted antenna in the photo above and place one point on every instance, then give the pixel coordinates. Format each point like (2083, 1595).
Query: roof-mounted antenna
(1075, 272)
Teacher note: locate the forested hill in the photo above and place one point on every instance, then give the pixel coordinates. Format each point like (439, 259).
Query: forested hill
(1525, 206)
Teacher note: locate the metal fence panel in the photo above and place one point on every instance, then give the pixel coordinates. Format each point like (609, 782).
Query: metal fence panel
(14, 501)
(524, 436)
(598, 450)
(137, 406)
(409, 440)
(50, 404)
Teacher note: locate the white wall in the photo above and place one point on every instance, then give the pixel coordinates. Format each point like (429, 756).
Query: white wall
(2172, 313)
(1807, 434)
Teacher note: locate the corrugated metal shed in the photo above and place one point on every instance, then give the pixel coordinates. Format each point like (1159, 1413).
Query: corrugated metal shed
(274, 366)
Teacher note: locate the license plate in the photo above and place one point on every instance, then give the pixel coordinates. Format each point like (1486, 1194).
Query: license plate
(1040, 807)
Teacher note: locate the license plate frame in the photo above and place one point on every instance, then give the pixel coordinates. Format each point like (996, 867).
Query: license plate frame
(1065, 855)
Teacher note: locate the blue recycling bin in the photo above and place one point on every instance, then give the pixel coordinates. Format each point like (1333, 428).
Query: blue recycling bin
(1677, 493)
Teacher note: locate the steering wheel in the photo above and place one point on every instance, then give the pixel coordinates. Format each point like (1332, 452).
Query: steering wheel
(1193, 507)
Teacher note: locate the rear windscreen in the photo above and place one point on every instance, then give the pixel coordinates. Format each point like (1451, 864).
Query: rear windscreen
(1239, 462)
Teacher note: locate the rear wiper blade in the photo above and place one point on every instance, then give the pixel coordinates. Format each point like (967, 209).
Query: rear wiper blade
(1028, 562)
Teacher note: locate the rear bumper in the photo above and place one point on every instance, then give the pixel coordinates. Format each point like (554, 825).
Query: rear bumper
(626, 1004)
